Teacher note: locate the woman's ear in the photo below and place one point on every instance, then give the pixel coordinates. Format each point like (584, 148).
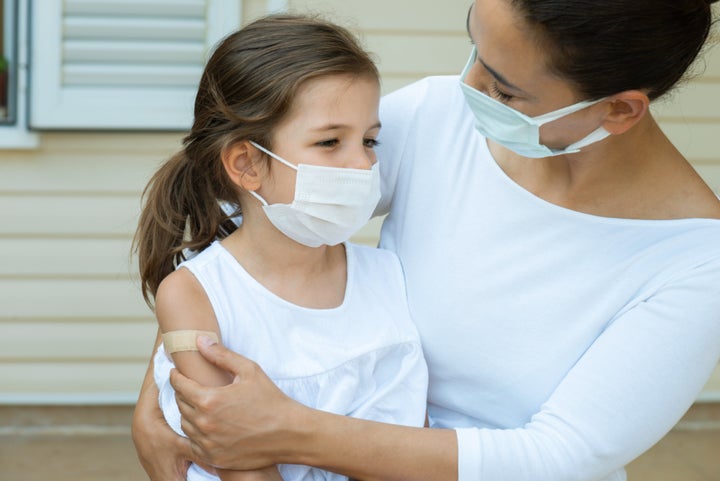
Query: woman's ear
(626, 110)
(241, 164)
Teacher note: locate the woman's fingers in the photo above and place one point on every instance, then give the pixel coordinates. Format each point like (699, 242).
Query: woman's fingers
(222, 357)
(237, 426)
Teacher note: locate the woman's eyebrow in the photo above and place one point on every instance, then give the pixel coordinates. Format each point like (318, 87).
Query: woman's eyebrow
(499, 77)
(492, 71)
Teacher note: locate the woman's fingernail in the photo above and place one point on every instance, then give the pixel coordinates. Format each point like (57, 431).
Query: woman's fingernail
(205, 341)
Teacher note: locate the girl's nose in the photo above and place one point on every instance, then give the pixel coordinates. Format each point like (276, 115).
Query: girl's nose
(362, 159)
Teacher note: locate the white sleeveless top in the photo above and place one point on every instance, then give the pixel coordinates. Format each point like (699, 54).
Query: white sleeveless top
(361, 359)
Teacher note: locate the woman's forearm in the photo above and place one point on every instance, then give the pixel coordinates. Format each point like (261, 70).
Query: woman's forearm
(251, 424)
(147, 399)
(370, 450)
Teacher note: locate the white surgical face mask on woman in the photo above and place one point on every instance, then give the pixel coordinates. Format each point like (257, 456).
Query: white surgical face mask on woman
(515, 130)
(330, 204)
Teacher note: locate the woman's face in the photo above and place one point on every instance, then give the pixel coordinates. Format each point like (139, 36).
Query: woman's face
(512, 67)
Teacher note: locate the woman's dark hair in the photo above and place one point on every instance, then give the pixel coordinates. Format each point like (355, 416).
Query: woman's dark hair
(610, 46)
(246, 89)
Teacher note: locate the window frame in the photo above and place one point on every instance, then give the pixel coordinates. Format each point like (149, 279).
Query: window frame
(56, 104)
(18, 133)
(15, 134)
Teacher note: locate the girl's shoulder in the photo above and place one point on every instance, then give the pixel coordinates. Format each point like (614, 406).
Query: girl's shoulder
(181, 298)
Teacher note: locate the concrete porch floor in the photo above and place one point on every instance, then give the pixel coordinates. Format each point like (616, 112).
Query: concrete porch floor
(93, 444)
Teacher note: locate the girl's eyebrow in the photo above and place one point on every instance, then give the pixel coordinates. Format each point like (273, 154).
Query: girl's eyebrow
(342, 126)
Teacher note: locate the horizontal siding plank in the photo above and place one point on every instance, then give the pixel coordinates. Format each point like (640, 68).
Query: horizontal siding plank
(79, 381)
(66, 257)
(71, 298)
(93, 342)
(390, 83)
(71, 216)
(709, 64)
(102, 144)
(691, 102)
(440, 55)
(696, 141)
(74, 163)
(711, 174)
(395, 15)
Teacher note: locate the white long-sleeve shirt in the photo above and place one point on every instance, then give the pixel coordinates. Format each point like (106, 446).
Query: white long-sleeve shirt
(560, 345)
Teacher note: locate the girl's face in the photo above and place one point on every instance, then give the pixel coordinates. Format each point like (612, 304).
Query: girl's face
(512, 67)
(333, 122)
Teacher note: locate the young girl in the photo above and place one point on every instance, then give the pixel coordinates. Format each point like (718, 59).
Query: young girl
(286, 117)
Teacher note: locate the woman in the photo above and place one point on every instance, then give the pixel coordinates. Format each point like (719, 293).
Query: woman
(562, 262)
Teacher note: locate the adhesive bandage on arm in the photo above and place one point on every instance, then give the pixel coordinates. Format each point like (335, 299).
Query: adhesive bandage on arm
(176, 341)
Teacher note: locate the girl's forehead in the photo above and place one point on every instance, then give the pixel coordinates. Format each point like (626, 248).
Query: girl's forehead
(335, 101)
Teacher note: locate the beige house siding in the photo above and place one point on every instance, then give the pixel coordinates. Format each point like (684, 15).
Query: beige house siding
(73, 326)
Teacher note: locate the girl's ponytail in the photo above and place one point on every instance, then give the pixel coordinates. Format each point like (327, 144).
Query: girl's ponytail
(181, 212)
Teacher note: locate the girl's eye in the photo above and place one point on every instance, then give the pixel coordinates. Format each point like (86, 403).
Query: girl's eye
(370, 143)
(502, 96)
(328, 143)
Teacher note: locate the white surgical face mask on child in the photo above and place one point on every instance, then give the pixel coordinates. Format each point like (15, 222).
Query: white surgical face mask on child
(330, 204)
(515, 130)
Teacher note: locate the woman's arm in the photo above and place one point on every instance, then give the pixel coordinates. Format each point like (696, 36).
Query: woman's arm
(250, 423)
(627, 391)
(163, 454)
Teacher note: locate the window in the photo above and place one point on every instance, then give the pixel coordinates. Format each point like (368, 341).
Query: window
(6, 57)
(13, 76)
(122, 64)
(104, 64)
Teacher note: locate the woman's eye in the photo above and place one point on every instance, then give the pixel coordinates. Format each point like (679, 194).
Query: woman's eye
(502, 96)
(328, 143)
(371, 143)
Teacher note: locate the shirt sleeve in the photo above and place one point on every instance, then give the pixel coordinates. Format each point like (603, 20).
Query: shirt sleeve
(626, 392)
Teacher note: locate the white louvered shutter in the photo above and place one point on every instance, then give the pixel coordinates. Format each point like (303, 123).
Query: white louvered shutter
(122, 64)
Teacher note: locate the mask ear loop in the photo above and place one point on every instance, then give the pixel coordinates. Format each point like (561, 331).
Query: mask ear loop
(257, 196)
(274, 156)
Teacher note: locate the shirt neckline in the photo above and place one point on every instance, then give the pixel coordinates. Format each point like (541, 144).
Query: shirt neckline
(267, 293)
(539, 201)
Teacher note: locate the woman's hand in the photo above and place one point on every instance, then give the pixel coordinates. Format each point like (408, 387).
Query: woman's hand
(163, 454)
(247, 424)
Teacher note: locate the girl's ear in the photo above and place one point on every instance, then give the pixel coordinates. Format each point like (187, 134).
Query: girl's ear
(626, 110)
(241, 162)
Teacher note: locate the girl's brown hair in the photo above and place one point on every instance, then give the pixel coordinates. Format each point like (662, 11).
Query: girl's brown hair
(246, 89)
